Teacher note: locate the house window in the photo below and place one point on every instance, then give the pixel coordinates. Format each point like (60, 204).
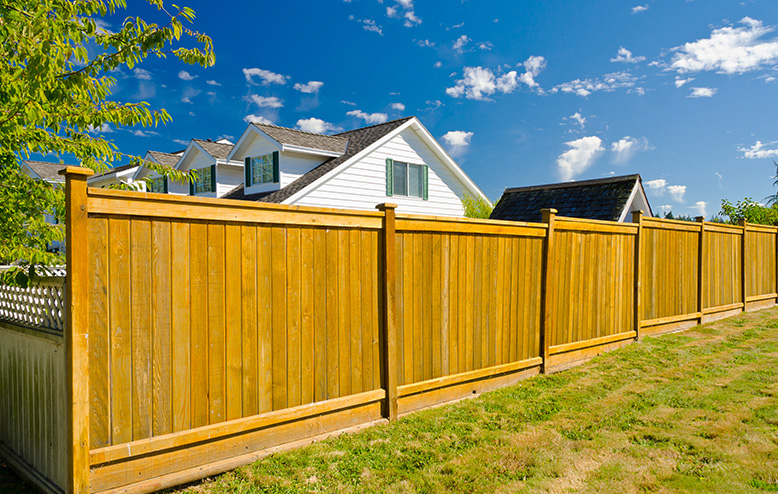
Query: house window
(157, 185)
(262, 169)
(406, 179)
(205, 181)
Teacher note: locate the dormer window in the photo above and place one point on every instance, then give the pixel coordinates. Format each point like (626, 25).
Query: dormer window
(406, 179)
(262, 169)
(158, 185)
(205, 181)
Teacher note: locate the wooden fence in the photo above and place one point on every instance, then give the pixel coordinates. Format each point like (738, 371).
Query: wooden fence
(202, 333)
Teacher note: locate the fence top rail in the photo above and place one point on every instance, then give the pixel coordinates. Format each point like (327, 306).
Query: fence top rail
(132, 203)
(446, 224)
(724, 228)
(753, 227)
(599, 226)
(678, 225)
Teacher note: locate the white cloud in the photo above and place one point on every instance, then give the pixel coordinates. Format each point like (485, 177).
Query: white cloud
(702, 92)
(398, 106)
(433, 105)
(369, 24)
(700, 207)
(625, 148)
(657, 185)
(186, 76)
(406, 4)
(479, 83)
(425, 43)
(728, 50)
(266, 76)
(582, 154)
(438, 64)
(266, 102)
(760, 150)
(257, 119)
(104, 128)
(609, 82)
(455, 26)
(391, 11)
(769, 79)
(460, 43)
(144, 133)
(676, 192)
(188, 94)
(625, 56)
(639, 8)
(577, 118)
(181, 142)
(680, 81)
(532, 66)
(665, 208)
(141, 74)
(349, 103)
(212, 83)
(485, 45)
(316, 125)
(102, 26)
(311, 88)
(458, 141)
(369, 118)
(411, 19)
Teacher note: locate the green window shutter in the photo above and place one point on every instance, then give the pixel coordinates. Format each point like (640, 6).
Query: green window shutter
(247, 170)
(276, 171)
(389, 177)
(192, 186)
(425, 185)
(213, 178)
(164, 185)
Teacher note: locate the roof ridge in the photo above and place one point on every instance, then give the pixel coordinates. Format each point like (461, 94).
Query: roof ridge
(376, 125)
(562, 185)
(212, 142)
(257, 124)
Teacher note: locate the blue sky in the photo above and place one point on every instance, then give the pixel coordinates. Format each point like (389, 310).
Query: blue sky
(519, 92)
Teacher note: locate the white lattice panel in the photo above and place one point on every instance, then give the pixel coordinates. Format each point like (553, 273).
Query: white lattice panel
(39, 305)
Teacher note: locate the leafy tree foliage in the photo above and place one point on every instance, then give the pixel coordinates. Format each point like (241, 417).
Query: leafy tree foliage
(749, 210)
(476, 207)
(56, 77)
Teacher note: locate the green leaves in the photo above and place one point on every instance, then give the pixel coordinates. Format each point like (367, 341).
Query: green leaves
(751, 211)
(55, 89)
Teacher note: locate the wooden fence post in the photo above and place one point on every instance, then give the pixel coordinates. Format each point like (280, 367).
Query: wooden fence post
(637, 217)
(701, 254)
(76, 327)
(548, 282)
(389, 340)
(743, 263)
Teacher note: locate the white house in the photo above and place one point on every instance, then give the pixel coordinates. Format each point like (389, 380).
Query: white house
(397, 161)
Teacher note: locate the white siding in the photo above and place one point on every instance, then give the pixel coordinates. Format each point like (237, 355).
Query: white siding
(362, 185)
(227, 178)
(256, 145)
(294, 165)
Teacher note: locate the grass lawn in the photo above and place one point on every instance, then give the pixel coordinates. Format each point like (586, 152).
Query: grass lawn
(689, 412)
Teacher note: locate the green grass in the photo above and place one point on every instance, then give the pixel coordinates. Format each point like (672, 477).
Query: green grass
(689, 412)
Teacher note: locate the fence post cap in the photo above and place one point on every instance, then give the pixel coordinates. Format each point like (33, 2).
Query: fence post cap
(742, 222)
(77, 170)
(699, 219)
(549, 210)
(386, 205)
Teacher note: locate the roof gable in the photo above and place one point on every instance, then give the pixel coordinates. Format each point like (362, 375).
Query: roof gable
(306, 140)
(599, 199)
(46, 170)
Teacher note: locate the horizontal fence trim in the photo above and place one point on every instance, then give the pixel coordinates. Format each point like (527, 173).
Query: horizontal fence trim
(216, 431)
(752, 227)
(759, 298)
(722, 308)
(414, 225)
(588, 221)
(624, 228)
(724, 228)
(37, 331)
(471, 221)
(668, 320)
(681, 226)
(207, 209)
(442, 382)
(580, 345)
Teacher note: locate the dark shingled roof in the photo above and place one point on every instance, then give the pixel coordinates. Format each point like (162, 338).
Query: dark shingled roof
(357, 140)
(47, 170)
(600, 199)
(334, 143)
(217, 150)
(167, 159)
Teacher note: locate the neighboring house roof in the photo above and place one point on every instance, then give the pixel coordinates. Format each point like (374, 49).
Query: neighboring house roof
(46, 170)
(357, 140)
(217, 150)
(111, 171)
(599, 199)
(292, 137)
(168, 159)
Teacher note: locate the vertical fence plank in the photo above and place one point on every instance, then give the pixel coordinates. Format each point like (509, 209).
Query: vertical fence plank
(180, 317)
(140, 296)
(293, 352)
(265, 317)
(355, 312)
(216, 333)
(247, 298)
(99, 341)
(548, 282)
(161, 335)
(637, 217)
(333, 347)
(744, 264)
(307, 302)
(198, 268)
(121, 341)
(277, 255)
(233, 322)
(319, 302)
(389, 294)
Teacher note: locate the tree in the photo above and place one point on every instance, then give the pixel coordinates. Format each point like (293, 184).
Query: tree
(749, 210)
(54, 95)
(478, 207)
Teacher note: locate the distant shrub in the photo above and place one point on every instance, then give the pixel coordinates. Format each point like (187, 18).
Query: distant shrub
(477, 207)
(749, 210)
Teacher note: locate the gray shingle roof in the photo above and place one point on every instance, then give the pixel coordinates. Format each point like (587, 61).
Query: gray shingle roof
(166, 159)
(357, 140)
(292, 137)
(599, 199)
(217, 150)
(113, 170)
(47, 170)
